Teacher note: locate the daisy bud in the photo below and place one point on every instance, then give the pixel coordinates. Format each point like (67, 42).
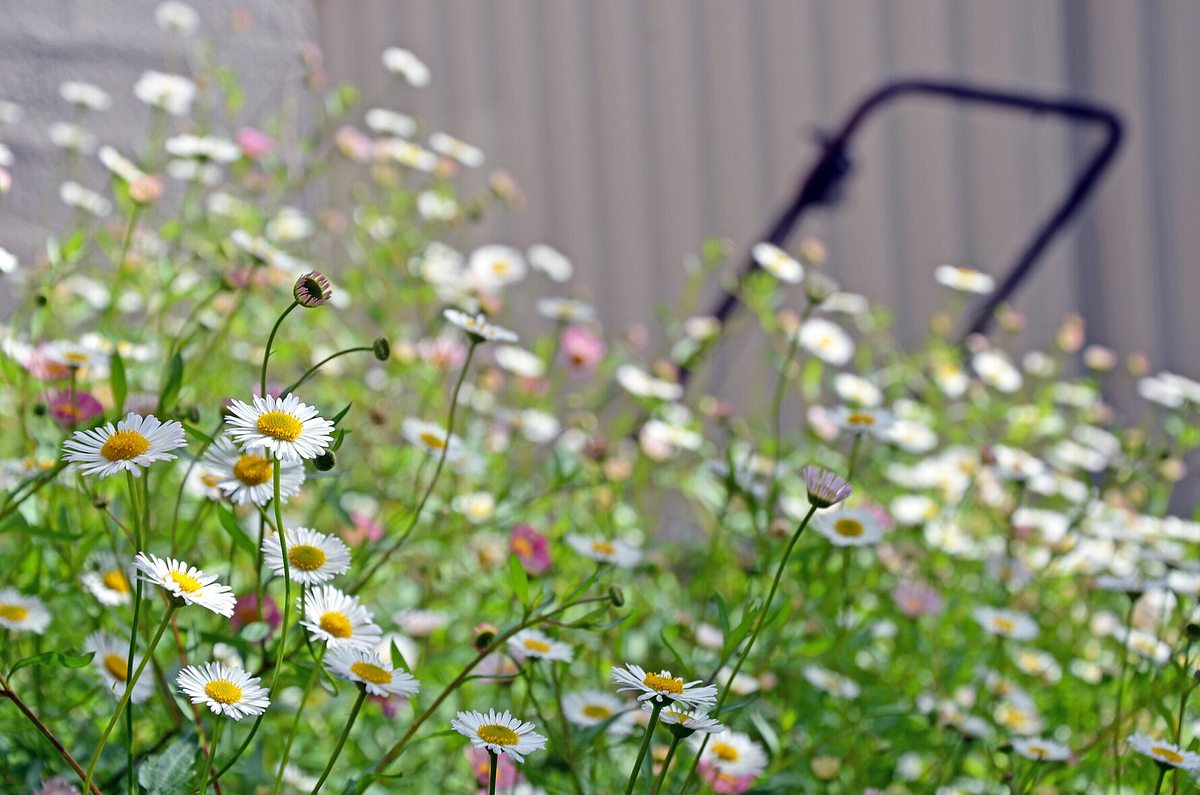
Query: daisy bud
(1193, 631)
(483, 635)
(100, 502)
(312, 290)
(325, 461)
(382, 349)
(616, 596)
(818, 287)
(145, 190)
(825, 488)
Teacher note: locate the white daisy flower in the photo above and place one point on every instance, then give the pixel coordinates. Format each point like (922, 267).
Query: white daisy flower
(826, 340)
(964, 279)
(171, 93)
(1006, 623)
(831, 682)
(477, 507)
(638, 382)
(496, 266)
(420, 623)
(593, 707)
(463, 152)
(339, 620)
(288, 428)
(876, 422)
(176, 17)
(436, 207)
(857, 390)
(314, 558)
(21, 613)
(120, 165)
(186, 582)
(431, 438)
(1041, 749)
(108, 580)
(694, 721)
(1163, 752)
(110, 661)
(995, 370)
(778, 263)
(602, 550)
(499, 733)
(209, 148)
(367, 668)
(531, 644)
(664, 687)
(227, 691)
(733, 754)
(402, 62)
(849, 527)
(551, 262)
(134, 443)
(478, 327)
(566, 310)
(247, 476)
(406, 153)
(382, 120)
(85, 95)
(520, 362)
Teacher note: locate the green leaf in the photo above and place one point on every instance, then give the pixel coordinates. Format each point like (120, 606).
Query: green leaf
(683, 666)
(170, 772)
(118, 383)
(170, 389)
(53, 659)
(518, 580)
(199, 434)
(338, 417)
(230, 523)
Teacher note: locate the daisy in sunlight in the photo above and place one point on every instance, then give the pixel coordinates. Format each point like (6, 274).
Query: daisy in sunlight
(1006, 623)
(226, 691)
(108, 580)
(689, 721)
(291, 430)
(601, 550)
(339, 620)
(1163, 752)
(135, 443)
(593, 707)
(534, 645)
(499, 733)
(110, 662)
(248, 476)
(478, 327)
(849, 527)
(186, 582)
(314, 558)
(21, 613)
(368, 669)
(778, 263)
(664, 687)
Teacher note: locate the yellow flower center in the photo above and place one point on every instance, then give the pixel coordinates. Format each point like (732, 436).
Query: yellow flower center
(224, 691)
(115, 580)
(532, 644)
(501, 267)
(861, 418)
(1037, 750)
(186, 582)
(603, 548)
(850, 528)
(254, 470)
(664, 683)
(1167, 755)
(1004, 624)
(497, 735)
(523, 547)
(13, 612)
(124, 445)
(279, 425)
(431, 439)
(336, 624)
(117, 666)
(596, 711)
(371, 673)
(306, 557)
(724, 751)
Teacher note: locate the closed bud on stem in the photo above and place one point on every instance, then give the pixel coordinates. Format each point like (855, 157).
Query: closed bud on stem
(381, 349)
(325, 461)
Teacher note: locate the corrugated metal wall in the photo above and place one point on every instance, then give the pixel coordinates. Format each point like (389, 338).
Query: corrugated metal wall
(637, 127)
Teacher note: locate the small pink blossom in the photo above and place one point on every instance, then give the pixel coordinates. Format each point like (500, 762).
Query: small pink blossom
(531, 547)
(580, 350)
(366, 530)
(507, 774)
(354, 144)
(724, 783)
(73, 409)
(255, 144)
(915, 600)
(247, 612)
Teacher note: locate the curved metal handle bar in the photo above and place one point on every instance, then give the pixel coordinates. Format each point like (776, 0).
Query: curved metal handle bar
(822, 183)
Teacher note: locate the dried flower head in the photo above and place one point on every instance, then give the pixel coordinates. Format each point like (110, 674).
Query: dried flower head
(312, 290)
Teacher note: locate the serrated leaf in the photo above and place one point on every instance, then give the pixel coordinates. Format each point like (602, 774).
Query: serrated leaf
(53, 659)
(170, 772)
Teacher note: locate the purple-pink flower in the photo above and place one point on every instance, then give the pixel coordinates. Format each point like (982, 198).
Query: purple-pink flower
(915, 600)
(531, 547)
(580, 351)
(73, 408)
(254, 143)
(247, 612)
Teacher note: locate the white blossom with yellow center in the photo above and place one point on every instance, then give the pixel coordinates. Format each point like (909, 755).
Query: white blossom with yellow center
(289, 429)
(227, 691)
(313, 558)
(133, 444)
(247, 476)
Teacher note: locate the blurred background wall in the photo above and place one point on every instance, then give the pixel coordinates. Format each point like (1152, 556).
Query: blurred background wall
(639, 127)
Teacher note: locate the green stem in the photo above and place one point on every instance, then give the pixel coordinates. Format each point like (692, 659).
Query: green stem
(312, 370)
(262, 392)
(287, 746)
(212, 752)
(1162, 774)
(412, 523)
(91, 768)
(1121, 693)
(362, 696)
(492, 759)
(758, 625)
(858, 437)
(637, 766)
(662, 776)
